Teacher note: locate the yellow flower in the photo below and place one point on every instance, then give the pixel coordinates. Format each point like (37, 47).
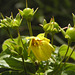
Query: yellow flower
(41, 47)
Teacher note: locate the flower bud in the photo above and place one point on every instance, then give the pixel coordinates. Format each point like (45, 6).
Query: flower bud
(52, 26)
(11, 22)
(27, 13)
(70, 34)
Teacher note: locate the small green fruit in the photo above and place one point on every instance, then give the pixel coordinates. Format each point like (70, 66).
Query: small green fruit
(28, 13)
(70, 34)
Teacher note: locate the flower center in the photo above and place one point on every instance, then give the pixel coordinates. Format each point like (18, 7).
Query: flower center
(36, 42)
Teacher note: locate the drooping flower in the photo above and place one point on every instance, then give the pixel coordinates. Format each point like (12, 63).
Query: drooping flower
(41, 48)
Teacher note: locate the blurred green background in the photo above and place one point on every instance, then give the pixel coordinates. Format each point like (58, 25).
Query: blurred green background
(61, 10)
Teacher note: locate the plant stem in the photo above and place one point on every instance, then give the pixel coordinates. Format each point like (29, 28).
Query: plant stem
(66, 52)
(26, 4)
(70, 55)
(60, 66)
(64, 62)
(9, 34)
(24, 65)
(52, 38)
(20, 37)
(29, 27)
(46, 34)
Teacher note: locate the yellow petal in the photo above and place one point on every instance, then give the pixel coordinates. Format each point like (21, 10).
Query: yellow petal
(47, 49)
(41, 36)
(38, 53)
(41, 48)
(30, 37)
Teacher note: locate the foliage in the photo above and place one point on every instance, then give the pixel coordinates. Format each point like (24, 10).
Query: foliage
(36, 55)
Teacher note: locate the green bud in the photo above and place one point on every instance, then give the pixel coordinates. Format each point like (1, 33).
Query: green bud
(14, 23)
(46, 27)
(6, 22)
(11, 22)
(27, 13)
(52, 26)
(70, 34)
(55, 27)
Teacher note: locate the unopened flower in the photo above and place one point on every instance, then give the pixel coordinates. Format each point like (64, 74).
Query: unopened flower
(27, 13)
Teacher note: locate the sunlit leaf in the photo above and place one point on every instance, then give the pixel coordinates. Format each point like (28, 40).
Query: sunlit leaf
(63, 49)
(10, 62)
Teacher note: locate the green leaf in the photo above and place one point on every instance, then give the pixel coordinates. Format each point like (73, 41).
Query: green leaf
(12, 73)
(40, 74)
(6, 44)
(69, 69)
(16, 46)
(6, 61)
(63, 49)
(10, 62)
(17, 41)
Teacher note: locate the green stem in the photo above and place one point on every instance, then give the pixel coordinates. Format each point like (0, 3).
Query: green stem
(24, 65)
(65, 62)
(29, 27)
(9, 34)
(52, 38)
(70, 55)
(20, 37)
(66, 51)
(53, 59)
(60, 66)
(46, 34)
(26, 4)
